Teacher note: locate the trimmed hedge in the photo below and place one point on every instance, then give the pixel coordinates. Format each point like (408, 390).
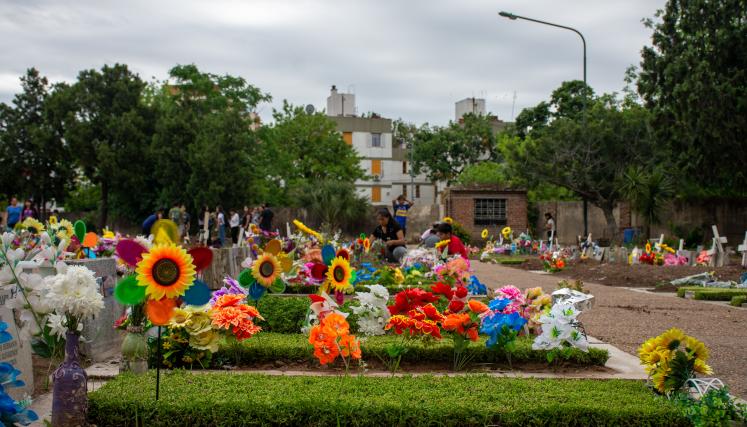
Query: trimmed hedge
(711, 294)
(738, 301)
(229, 399)
(269, 347)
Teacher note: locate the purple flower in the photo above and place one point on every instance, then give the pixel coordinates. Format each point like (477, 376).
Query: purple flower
(234, 288)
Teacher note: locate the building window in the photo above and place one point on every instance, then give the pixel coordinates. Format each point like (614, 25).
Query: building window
(376, 168)
(490, 211)
(404, 190)
(347, 137)
(404, 167)
(417, 191)
(375, 194)
(376, 140)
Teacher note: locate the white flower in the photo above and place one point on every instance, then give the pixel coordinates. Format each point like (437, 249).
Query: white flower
(8, 238)
(55, 325)
(29, 323)
(74, 293)
(559, 329)
(372, 310)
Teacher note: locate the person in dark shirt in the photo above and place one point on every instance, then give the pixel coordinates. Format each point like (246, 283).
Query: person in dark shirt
(265, 218)
(455, 246)
(391, 233)
(148, 223)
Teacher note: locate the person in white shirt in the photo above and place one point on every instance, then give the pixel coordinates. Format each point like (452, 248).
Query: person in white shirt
(234, 221)
(550, 227)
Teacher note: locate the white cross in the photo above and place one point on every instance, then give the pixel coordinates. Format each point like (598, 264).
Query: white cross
(717, 249)
(682, 245)
(743, 249)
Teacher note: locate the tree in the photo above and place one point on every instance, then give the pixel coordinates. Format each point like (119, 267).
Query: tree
(693, 79)
(586, 154)
(648, 191)
(483, 173)
(442, 153)
(301, 148)
(333, 202)
(109, 129)
(38, 162)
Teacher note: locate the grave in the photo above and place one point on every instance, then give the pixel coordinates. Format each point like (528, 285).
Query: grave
(717, 254)
(17, 352)
(743, 249)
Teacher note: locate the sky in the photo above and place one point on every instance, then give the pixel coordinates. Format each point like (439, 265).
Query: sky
(402, 58)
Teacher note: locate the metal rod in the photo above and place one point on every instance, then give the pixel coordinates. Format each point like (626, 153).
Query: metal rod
(158, 363)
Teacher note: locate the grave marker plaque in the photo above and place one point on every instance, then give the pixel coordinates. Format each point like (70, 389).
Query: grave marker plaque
(16, 352)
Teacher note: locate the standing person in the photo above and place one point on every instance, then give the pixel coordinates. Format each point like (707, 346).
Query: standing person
(390, 232)
(12, 214)
(234, 223)
(246, 222)
(265, 218)
(550, 227)
(28, 210)
(220, 218)
(255, 215)
(401, 205)
(186, 218)
(455, 245)
(203, 218)
(175, 214)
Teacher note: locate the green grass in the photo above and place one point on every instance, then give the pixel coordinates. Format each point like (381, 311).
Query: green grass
(270, 347)
(226, 399)
(711, 294)
(738, 301)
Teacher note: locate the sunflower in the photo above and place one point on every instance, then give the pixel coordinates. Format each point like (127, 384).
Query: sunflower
(484, 233)
(165, 271)
(343, 253)
(266, 269)
(65, 229)
(366, 244)
(32, 225)
(506, 232)
(648, 248)
(672, 338)
(339, 275)
(448, 220)
(442, 243)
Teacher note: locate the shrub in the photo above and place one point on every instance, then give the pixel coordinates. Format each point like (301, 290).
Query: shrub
(711, 294)
(738, 301)
(271, 347)
(228, 399)
(284, 315)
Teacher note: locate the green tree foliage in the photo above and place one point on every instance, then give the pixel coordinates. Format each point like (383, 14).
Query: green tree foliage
(586, 153)
(108, 128)
(693, 78)
(648, 190)
(303, 148)
(442, 153)
(203, 148)
(483, 173)
(36, 160)
(332, 202)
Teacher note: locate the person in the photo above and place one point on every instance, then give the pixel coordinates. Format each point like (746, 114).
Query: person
(550, 227)
(265, 218)
(220, 217)
(203, 223)
(54, 217)
(455, 245)
(12, 214)
(150, 220)
(430, 237)
(28, 210)
(234, 223)
(175, 214)
(401, 205)
(186, 218)
(255, 215)
(391, 233)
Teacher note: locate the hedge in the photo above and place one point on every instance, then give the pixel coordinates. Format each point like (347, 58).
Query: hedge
(711, 294)
(271, 347)
(738, 301)
(361, 287)
(232, 399)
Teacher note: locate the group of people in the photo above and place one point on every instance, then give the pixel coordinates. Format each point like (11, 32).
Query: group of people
(15, 212)
(392, 230)
(216, 228)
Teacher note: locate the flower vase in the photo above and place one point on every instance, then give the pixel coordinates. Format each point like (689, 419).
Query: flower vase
(70, 389)
(134, 351)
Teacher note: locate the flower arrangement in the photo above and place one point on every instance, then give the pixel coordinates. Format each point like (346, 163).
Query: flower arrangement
(331, 339)
(13, 412)
(537, 302)
(421, 321)
(502, 320)
(410, 299)
(672, 358)
(190, 339)
(463, 328)
(560, 330)
(552, 262)
(230, 312)
(456, 296)
(73, 295)
(372, 310)
(454, 271)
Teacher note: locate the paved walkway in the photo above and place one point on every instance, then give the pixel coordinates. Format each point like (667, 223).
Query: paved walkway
(626, 318)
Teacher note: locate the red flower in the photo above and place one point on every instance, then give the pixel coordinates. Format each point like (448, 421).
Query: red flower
(442, 289)
(461, 292)
(455, 306)
(410, 299)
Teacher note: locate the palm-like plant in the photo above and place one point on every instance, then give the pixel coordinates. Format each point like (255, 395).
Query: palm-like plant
(334, 203)
(648, 192)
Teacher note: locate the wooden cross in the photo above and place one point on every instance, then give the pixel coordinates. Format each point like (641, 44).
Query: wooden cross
(743, 249)
(717, 250)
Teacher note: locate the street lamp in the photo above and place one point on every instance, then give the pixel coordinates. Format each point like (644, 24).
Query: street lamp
(514, 17)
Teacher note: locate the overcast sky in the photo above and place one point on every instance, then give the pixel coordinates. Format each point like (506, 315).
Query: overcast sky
(402, 58)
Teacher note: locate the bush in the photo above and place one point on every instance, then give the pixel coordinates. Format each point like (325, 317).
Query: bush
(271, 347)
(711, 294)
(738, 301)
(285, 315)
(228, 399)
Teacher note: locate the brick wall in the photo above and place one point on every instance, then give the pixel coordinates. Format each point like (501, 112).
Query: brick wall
(460, 205)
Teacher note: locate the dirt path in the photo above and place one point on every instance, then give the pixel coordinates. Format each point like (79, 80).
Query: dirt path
(626, 318)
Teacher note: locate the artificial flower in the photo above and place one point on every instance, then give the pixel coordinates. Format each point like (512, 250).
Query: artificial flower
(339, 274)
(506, 232)
(166, 271)
(32, 225)
(307, 230)
(442, 243)
(484, 233)
(266, 269)
(448, 220)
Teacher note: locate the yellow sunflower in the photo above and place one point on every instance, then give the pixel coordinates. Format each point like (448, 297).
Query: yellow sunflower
(672, 338)
(64, 229)
(448, 220)
(344, 253)
(484, 233)
(339, 274)
(648, 248)
(165, 271)
(32, 225)
(266, 269)
(442, 243)
(506, 232)
(699, 350)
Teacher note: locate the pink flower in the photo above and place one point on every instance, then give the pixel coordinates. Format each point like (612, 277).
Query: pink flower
(513, 293)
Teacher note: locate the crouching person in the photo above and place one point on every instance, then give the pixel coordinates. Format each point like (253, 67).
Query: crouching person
(392, 235)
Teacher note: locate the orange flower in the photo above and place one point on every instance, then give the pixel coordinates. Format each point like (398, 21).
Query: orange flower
(477, 306)
(456, 322)
(326, 351)
(227, 301)
(350, 346)
(245, 329)
(337, 324)
(560, 264)
(432, 312)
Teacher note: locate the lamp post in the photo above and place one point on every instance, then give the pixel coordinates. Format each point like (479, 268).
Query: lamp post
(513, 17)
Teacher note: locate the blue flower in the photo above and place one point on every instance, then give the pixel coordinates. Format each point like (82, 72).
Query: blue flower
(496, 324)
(499, 304)
(475, 287)
(5, 336)
(12, 412)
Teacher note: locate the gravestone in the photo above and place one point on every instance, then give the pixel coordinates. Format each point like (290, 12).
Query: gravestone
(743, 249)
(598, 253)
(226, 262)
(717, 254)
(612, 254)
(16, 352)
(623, 255)
(100, 340)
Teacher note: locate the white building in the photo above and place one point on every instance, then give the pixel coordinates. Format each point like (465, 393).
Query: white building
(469, 105)
(385, 160)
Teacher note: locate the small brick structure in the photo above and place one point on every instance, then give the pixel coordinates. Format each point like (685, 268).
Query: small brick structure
(487, 206)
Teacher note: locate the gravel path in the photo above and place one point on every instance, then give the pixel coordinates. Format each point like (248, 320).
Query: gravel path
(625, 318)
